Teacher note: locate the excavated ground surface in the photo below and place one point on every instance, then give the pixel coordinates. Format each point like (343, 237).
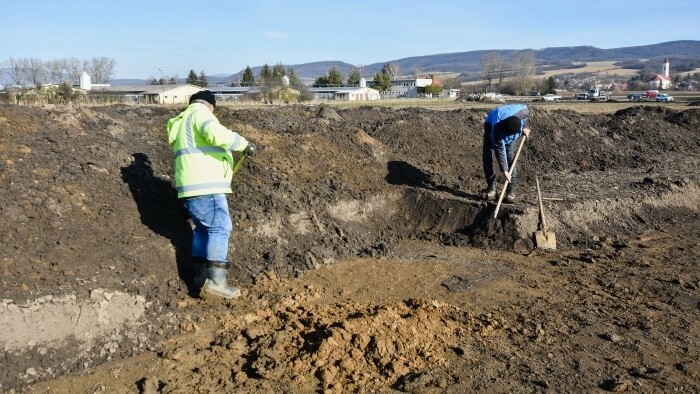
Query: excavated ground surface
(366, 260)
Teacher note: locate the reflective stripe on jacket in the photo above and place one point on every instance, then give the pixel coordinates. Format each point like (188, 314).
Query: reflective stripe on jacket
(202, 149)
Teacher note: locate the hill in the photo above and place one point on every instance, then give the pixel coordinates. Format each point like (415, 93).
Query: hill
(470, 62)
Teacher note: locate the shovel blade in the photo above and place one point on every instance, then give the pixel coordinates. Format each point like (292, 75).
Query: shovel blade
(545, 241)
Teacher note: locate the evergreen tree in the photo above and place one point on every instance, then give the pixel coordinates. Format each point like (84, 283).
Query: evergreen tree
(293, 78)
(202, 79)
(265, 74)
(549, 85)
(354, 77)
(248, 78)
(192, 78)
(321, 81)
(278, 72)
(335, 77)
(382, 81)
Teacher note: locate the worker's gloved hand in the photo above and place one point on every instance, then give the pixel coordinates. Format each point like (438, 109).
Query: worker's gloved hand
(249, 151)
(526, 131)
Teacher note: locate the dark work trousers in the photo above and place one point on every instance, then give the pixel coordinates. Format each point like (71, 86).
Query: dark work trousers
(487, 157)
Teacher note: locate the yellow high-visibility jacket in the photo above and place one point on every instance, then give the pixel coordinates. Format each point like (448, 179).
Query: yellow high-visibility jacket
(202, 149)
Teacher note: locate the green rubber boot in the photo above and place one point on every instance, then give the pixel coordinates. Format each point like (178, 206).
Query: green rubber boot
(215, 284)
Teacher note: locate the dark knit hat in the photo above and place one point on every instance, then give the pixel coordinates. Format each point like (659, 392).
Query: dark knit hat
(205, 95)
(511, 125)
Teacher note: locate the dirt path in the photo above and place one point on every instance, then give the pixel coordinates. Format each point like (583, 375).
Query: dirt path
(364, 256)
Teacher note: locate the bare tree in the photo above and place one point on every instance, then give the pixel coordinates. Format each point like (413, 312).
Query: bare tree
(524, 69)
(101, 69)
(17, 69)
(492, 65)
(392, 69)
(418, 72)
(74, 68)
(36, 71)
(56, 70)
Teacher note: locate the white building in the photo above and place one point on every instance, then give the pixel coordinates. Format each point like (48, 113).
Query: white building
(357, 94)
(663, 80)
(151, 94)
(406, 88)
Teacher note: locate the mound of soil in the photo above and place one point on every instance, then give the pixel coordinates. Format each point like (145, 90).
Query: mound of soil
(367, 260)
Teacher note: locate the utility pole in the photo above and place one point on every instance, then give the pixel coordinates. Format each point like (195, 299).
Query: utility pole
(162, 86)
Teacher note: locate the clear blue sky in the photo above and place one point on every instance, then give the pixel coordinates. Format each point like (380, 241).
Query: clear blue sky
(223, 37)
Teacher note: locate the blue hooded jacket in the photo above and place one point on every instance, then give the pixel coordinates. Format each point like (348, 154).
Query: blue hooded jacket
(499, 127)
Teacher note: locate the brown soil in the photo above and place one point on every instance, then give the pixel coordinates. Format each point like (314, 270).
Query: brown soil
(366, 260)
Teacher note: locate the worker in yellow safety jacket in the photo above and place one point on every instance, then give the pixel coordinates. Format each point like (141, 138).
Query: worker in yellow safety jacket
(203, 170)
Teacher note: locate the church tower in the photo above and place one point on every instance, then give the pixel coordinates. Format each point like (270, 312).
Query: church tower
(666, 68)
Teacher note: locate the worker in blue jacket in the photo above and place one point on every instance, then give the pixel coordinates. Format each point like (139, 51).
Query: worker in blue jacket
(503, 127)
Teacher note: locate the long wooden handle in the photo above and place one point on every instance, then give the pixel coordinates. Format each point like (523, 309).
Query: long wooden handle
(505, 185)
(539, 199)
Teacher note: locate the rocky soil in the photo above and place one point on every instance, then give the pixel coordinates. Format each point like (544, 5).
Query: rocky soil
(367, 260)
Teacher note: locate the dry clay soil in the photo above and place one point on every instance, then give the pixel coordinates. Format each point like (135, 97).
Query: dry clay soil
(367, 261)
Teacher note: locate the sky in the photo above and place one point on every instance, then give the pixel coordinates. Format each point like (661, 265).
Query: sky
(223, 37)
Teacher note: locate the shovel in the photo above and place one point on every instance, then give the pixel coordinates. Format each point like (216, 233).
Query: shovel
(544, 239)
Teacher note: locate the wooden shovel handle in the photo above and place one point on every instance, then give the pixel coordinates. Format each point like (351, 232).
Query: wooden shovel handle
(505, 185)
(539, 200)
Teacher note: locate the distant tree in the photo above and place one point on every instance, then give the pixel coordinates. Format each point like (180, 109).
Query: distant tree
(391, 69)
(418, 72)
(549, 86)
(55, 69)
(434, 90)
(202, 79)
(153, 81)
(491, 64)
(192, 78)
(101, 69)
(354, 77)
(74, 68)
(293, 78)
(248, 79)
(278, 72)
(524, 69)
(265, 74)
(35, 71)
(382, 81)
(17, 69)
(332, 78)
(173, 80)
(451, 83)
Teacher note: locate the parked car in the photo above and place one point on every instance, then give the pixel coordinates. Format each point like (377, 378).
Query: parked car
(550, 97)
(582, 96)
(664, 97)
(534, 93)
(635, 97)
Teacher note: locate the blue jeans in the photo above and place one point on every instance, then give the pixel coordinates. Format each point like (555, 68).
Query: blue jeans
(213, 226)
(487, 158)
